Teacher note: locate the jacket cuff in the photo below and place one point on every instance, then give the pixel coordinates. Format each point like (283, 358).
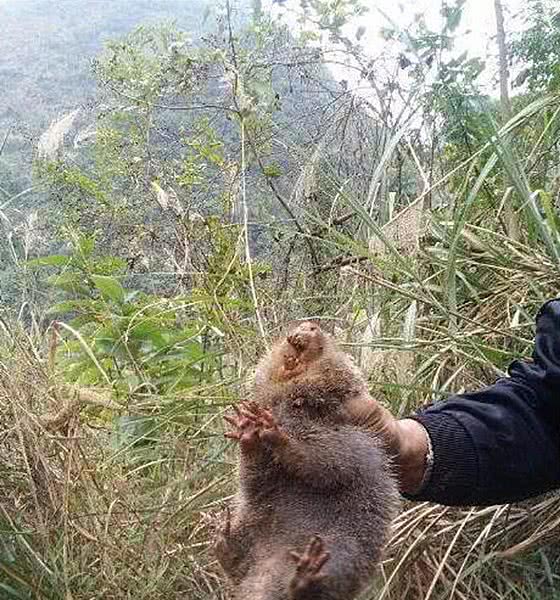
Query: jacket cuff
(452, 481)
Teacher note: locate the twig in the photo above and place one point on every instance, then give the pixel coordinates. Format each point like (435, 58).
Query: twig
(338, 262)
(80, 397)
(251, 143)
(168, 107)
(4, 141)
(246, 230)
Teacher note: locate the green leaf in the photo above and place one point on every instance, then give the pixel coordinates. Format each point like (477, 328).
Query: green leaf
(148, 331)
(54, 260)
(132, 295)
(82, 320)
(109, 287)
(70, 306)
(109, 265)
(549, 210)
(272, 170)
(452, 15)
(12, 593)
(133, 430)
(86, 246)
(69, 282)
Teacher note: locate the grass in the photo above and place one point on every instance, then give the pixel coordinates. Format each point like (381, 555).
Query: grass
(451, 312)
(82, 517)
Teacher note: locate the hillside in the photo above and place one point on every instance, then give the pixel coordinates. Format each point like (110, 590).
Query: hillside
(46, 49)
(50, 61)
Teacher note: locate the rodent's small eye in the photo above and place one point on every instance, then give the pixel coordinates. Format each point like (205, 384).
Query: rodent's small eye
(313, 328)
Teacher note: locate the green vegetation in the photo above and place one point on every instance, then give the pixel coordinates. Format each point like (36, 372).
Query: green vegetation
(209, 189)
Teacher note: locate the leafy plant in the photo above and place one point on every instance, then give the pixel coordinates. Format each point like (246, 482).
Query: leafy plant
(125, 338)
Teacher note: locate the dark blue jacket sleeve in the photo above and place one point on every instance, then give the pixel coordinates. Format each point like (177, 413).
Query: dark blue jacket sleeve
(502, 443)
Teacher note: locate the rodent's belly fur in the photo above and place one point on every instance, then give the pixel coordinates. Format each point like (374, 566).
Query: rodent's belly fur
(287, 510)
(292, 513)
(314, 474)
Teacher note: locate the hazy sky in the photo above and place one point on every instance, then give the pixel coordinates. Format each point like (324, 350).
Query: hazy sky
(478, 17)
(478, 25)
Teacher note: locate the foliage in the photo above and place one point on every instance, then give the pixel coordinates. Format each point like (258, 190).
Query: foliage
(536, 48)
(134, 341)
(105, 510)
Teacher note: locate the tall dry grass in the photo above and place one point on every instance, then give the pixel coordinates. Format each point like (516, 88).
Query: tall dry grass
(83, 515)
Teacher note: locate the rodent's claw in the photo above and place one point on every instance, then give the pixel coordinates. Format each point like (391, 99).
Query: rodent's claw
(308, 566)
(314, 556)
(252, 423)
(252, 411)
(226, 545)
(263, 421)
(239, 423)
(245, 430)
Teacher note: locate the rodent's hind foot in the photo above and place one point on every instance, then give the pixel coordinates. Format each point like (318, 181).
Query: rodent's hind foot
(308, 573)
(223, 534)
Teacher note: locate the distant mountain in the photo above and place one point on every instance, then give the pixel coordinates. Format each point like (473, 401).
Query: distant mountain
(49, 103)
(46, 47)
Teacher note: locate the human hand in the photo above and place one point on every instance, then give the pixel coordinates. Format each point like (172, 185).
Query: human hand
(406, 440)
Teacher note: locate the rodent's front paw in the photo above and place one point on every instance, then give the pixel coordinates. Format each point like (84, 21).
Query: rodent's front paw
(245, 431)
(264, 422)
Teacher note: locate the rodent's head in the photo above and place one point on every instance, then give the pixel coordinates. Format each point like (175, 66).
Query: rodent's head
(294, 355)
(306, 371)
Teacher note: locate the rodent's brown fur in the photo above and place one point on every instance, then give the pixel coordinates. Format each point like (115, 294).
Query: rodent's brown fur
(305, 471)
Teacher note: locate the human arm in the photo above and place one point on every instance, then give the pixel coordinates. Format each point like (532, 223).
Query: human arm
(496, 445)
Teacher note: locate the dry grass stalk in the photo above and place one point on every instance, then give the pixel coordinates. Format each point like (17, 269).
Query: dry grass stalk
(88, 520)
